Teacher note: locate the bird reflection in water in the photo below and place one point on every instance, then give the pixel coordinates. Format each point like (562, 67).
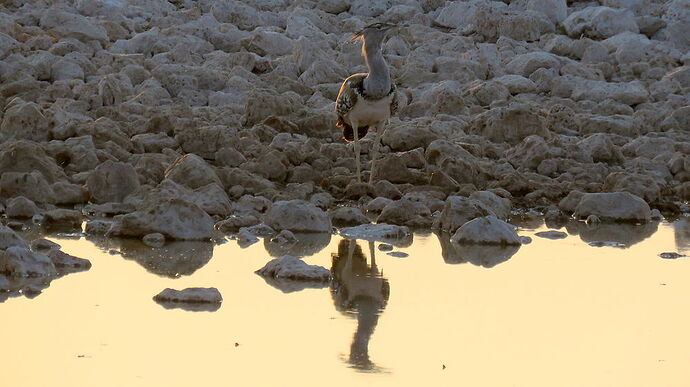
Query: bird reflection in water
(359, 288)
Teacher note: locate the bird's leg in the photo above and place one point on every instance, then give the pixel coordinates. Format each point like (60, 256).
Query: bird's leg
(355, 130)
(380, 128)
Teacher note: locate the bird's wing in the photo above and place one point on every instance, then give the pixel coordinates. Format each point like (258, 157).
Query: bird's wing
(348, 95)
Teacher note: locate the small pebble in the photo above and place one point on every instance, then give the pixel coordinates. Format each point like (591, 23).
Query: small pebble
(398, 254)
(671, 255)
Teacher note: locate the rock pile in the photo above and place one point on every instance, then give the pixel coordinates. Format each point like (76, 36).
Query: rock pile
(177, 115)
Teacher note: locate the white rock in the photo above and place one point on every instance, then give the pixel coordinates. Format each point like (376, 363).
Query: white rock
(613, 206)
(297, 216)
(380, 232)
(487, 230)
(370, 8)
(600, 22)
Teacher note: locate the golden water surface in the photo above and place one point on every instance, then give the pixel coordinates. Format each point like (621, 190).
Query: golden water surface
(556, 313)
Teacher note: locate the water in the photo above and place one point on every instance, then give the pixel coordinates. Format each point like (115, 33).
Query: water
(555, 312)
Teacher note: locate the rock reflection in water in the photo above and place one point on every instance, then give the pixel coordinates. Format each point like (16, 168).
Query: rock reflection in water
(625, 234)
(175, 259)
(681, 232)
(307, 244)
(29, 287)
(359, 288)
(479, 255)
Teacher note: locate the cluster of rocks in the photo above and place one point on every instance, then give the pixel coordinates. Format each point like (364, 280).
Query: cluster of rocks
(166, 119)
(26, 268)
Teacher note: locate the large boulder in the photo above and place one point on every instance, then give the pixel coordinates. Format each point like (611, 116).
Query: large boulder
(297, 216)
(511, 123)
(487, 230)
(613, 206)
(112, 182)
(174, 218)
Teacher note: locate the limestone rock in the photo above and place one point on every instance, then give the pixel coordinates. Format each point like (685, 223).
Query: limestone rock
(405, 213)
(112, 182)
(487, 230)
(62, 218)
(297, 216)
(174, 218)
(22, 262)
(459, 210)
(191, 171)
(190, 295)
(380, 232)
(615, 206)
(21, 207)
(347, 216)
(600, 22)
(291, 268)
(24, 121)
(9, 238)
(30, 185)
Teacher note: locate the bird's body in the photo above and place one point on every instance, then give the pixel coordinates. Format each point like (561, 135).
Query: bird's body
(353, 105)
(367, 100)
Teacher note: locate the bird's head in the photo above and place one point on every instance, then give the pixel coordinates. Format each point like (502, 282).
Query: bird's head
(373, 33)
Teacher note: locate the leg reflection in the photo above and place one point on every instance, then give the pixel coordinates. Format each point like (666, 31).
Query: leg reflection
(358, 288)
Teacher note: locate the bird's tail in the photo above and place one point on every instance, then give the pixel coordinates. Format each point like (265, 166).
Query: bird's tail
(349, 133)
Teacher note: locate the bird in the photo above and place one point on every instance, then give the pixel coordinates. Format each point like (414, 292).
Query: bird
(368, 100)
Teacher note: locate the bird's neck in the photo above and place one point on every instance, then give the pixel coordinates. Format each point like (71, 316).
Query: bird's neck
(377, 84)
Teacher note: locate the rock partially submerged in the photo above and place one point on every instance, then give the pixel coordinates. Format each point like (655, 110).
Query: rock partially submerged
(380, 232)
(290, 274)
(174, 218)
(613, 206)
(487, 230)
(193, 299)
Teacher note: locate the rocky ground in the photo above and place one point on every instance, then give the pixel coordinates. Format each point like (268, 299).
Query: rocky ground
(180, 119)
